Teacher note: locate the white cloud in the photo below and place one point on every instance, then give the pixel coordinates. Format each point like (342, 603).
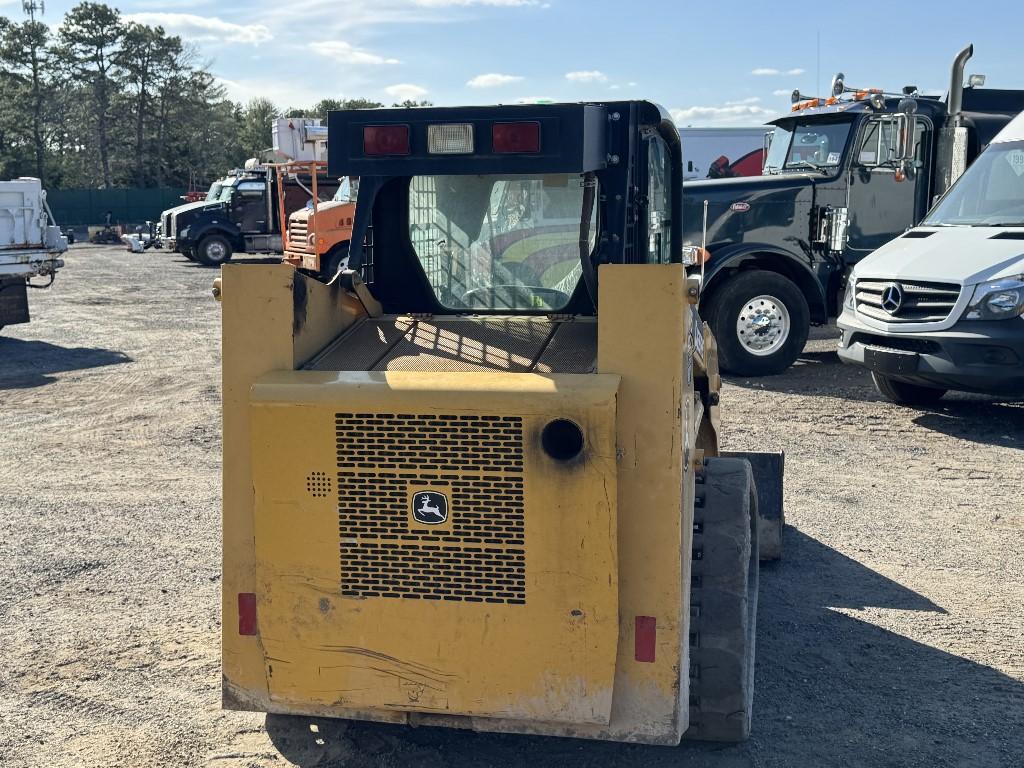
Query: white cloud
(771, 71)
(346, 53)
(204, 28)
(406, 91)
(492, 80)
(586, 76)
(614, 87)
(729, 114)
(781, 92)
(281, 92)
(466, 3)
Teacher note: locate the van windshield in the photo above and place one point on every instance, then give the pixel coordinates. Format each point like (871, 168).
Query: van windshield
(989, 194)
(499, 243)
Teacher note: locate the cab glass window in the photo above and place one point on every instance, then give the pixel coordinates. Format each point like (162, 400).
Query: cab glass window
(659, 205)
(501, 243)
(250, 189)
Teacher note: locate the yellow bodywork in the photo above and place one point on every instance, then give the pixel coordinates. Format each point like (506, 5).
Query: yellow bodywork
(521, 610)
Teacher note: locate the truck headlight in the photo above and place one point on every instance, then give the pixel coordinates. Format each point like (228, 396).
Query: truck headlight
(997, 300)
(849, 298)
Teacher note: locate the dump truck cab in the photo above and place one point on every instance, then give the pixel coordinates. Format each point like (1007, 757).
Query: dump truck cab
(317, 237)
(839, 182)
(474, 480)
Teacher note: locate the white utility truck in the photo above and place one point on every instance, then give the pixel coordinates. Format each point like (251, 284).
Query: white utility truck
(942, 306)
(30, 243)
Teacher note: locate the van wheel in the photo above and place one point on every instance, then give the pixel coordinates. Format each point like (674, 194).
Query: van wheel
(332, 261)
(723, 601)
(902, 393)
(213, 250)
(760, 320)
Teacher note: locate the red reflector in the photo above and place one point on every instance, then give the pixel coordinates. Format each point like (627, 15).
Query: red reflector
(515, 137)
(386, 139)
(246, 613)
(646, 632)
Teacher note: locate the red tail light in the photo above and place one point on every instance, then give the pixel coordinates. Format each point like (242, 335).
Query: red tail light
(246, 613)
(646, 635)
(386, 139)
(515, 137)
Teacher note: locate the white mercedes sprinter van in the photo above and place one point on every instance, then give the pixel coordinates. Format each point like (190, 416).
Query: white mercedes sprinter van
(942, 306)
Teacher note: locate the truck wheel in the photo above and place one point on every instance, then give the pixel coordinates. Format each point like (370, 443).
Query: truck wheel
(188, 253)
(902, 393)
(213, 250)
(331, 261)
(760, 320)
(723, 601)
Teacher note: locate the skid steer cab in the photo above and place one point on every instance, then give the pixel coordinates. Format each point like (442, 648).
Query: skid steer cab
(474, 480)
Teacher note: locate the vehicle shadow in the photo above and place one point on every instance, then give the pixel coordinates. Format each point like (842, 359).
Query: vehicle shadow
(250, 260)
(831, 690)
(991, 422)
(26, 364)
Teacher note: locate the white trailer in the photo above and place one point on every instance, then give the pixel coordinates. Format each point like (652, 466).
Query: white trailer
(30, 244)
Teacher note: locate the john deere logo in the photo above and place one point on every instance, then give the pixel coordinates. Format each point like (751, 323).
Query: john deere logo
(429, 507)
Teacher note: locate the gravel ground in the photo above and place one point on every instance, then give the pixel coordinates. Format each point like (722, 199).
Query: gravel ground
(892, 634)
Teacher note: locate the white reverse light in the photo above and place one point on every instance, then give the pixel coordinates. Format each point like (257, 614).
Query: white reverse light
(450, 139)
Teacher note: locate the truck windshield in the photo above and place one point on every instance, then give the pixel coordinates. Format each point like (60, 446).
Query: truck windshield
(214, 192)
(799, 146)
(226, 190)
(502, 243)
(348, 189)
(989, 194)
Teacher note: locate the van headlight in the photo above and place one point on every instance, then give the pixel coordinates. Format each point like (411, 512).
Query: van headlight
(849, 298)
(997, 300)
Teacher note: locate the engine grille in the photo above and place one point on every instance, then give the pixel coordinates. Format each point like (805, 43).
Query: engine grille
(919, 302)
(298, 229)
(478, 460)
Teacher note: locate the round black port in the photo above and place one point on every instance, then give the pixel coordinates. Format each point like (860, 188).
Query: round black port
(562, 439)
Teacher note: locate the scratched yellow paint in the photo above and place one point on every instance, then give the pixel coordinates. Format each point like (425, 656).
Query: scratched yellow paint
(606, 541)
(452, 657)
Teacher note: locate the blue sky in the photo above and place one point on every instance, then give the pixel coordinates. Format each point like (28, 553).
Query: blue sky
(711, 63)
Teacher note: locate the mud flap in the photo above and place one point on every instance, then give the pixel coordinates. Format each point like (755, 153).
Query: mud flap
(13, 302)
(768, 475)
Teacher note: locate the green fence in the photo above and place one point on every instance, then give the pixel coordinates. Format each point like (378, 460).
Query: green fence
(82, 207)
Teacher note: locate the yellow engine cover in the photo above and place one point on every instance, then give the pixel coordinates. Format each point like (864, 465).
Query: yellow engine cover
(417, 549)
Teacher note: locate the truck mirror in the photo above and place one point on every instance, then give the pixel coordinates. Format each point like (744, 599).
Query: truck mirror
(903, 138)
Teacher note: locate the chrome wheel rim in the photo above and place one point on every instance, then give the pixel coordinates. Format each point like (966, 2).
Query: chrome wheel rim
(762, 325)
(215, 251)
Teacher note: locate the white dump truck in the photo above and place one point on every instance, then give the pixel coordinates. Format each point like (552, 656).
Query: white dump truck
(30, 244)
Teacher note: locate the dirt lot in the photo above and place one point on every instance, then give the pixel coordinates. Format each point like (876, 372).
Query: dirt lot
(891, 635)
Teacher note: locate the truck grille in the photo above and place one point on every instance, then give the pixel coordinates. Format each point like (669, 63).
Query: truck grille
(298, 230)
(897, 301)
(477, 462)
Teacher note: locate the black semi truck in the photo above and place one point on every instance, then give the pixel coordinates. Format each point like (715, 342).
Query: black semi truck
(843, 175)
(240, 214)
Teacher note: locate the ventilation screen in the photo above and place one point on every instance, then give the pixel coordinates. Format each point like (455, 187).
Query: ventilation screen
(318, 484)
(390, 441)
(470, 547)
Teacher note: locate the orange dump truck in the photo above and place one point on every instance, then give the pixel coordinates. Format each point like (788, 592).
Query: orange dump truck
(317, 236)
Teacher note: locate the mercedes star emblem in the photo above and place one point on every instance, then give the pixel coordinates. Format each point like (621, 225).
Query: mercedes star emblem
(892, 298)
